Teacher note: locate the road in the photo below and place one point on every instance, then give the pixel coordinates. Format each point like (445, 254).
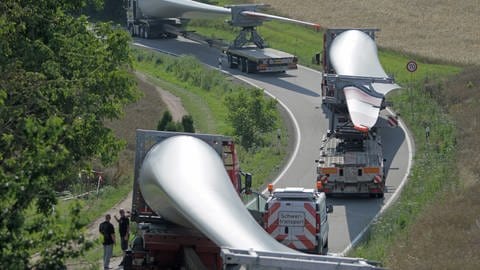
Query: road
(298, 92)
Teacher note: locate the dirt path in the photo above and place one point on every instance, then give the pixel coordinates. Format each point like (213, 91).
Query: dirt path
(174, 105)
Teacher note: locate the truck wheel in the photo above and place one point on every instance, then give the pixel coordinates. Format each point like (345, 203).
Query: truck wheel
(319, 248)
(325, 246)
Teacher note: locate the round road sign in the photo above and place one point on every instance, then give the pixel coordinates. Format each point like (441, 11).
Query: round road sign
(412, 66)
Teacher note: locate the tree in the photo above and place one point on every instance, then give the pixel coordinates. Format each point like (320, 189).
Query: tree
(166, 119)
(60, 78)
(251, 115)
(187, 123)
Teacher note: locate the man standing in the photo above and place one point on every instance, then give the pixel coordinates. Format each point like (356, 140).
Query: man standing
(124, 230)
(108, 231)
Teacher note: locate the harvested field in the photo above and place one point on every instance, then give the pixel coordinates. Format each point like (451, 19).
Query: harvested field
(442, 30)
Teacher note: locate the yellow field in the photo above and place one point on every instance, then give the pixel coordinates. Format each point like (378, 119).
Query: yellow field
(444, 30)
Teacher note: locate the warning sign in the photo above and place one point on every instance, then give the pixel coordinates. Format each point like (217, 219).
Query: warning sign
(412, 66)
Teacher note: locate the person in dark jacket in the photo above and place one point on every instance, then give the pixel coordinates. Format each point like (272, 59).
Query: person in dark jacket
(124, 230)
(108, 231)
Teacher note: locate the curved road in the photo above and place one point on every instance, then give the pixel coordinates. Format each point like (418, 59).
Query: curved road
(299, 92)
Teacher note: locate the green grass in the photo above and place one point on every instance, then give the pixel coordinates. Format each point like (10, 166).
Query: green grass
(93, 207)
(432, 174)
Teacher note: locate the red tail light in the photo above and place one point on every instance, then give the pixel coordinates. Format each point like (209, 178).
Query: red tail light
(317, 226)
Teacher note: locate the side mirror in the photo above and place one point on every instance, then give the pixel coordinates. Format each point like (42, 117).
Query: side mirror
(318, 58)
(329, 209)
(248, 181)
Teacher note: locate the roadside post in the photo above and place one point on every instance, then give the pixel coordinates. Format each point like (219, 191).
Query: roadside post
(411, 67)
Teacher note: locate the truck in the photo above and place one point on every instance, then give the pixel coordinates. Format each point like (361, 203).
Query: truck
(351, 158)
(162, 244)
(297, 217)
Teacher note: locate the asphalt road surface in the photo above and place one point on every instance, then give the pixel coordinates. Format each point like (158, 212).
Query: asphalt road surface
(299, 92)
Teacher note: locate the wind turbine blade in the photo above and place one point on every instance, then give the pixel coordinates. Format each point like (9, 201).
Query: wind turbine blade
(354, 53)
(184, 180)
(187, 9)
(265, 16)
(363, 108)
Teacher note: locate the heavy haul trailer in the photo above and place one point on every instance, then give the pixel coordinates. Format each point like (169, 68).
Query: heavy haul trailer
(160, 244)
(351, 159)
(248, 52)
(251, 59)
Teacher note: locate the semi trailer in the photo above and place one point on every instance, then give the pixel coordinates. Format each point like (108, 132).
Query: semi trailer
(351, 154)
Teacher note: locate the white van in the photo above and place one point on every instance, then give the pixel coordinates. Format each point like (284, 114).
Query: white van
(297, 217)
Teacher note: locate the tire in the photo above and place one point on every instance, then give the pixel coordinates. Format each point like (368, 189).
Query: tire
(242, 65)
(319, 248)
(230, 62)
(248, 68)
(131, 30)
(146, 32)
(325, 248)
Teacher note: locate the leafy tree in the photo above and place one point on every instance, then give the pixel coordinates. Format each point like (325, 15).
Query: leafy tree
(111, 10)
(187, 123)
(166, 119)
(60, 78)
(251, 115)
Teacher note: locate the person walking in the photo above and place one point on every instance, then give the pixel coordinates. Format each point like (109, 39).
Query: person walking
(124, 230)
(108, 231)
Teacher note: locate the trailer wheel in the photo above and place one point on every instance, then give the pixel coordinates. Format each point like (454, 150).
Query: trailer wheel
(145, 32)
(243, 64)
(251, 67)
(131, 30)
(230, 62)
